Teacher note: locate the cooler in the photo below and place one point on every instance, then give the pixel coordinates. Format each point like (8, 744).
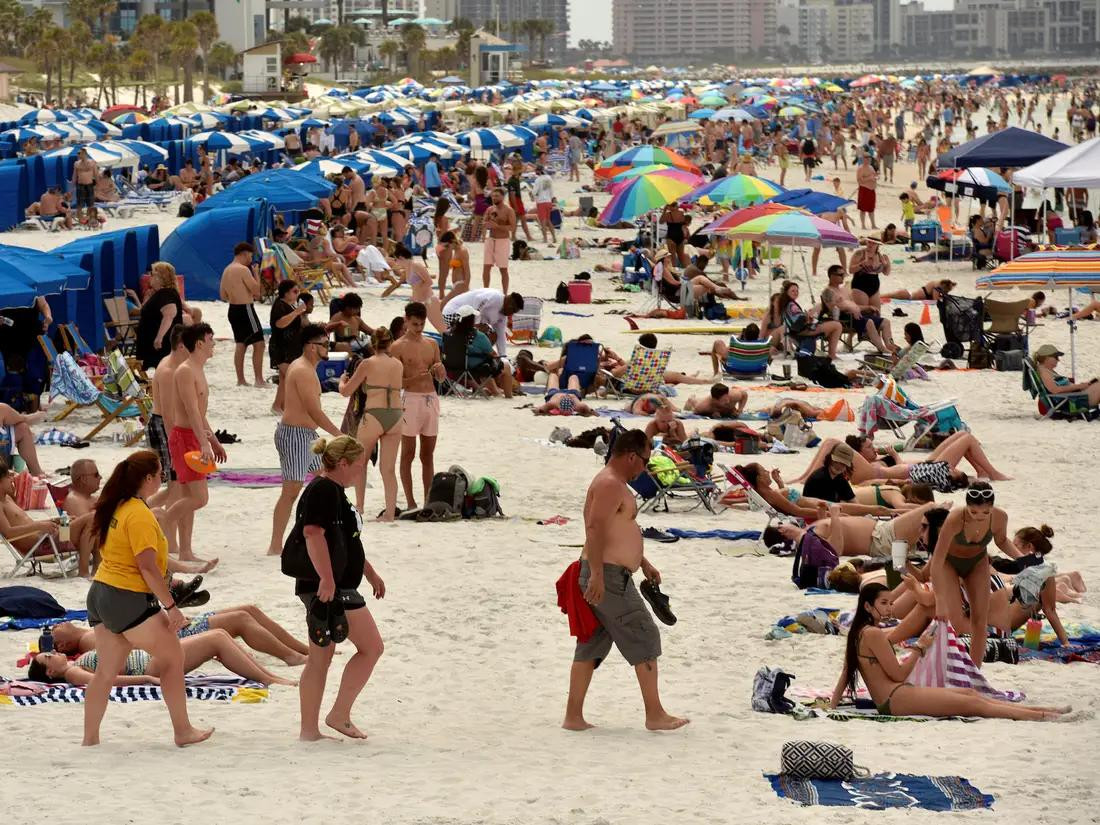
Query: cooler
(580, 292)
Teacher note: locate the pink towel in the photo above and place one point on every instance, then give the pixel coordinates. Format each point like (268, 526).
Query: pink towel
(947, 664)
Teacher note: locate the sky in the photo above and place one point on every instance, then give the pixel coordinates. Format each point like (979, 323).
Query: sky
(591, 19)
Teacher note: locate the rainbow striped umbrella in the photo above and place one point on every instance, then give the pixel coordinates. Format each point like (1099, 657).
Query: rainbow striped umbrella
(646, 193)
(128, 118)
(637, 171)
(735, 190)
(643, 156)
(1067, 268)
(781, 225)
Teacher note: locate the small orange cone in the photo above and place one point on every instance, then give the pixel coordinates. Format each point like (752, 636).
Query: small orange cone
(926, 316)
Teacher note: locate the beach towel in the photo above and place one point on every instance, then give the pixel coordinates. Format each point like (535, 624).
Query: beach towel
(582, 621)
(882, 791)
(8, 623)
(206, 688)
(727, 535)
(57, 438)
(947, 663)
(257, 478)
(607, 412)
(571, 314)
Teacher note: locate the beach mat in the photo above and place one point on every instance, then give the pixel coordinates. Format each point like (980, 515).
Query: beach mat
(250, 479)
(198, 687)
(726, 535)
(7, 623)
(608, 412)
(882, 791)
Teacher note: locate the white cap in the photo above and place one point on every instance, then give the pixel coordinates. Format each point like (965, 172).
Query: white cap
(465, 310)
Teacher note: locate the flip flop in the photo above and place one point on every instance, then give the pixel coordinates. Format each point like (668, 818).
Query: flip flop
(337, 621)
(183, 593)
(197, 600)
(654, 534)
(317, 623)
(658, 601)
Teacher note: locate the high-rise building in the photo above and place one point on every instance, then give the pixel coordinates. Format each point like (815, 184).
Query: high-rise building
(509, 12)
(441, 9)
(693, 30)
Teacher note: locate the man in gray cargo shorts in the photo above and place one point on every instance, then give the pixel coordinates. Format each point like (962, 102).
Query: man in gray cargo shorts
(612, 552)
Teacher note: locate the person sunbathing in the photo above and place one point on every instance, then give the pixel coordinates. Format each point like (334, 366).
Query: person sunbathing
(618, 366)
(939, 469)
(142, 669)
(728, 434)
(781, 498)
(721, 402)
(1046, 360)
(246, 622)
(931, 291)
(666, 424)
(868, 653)
(563, 402)
(900, 498)
(861, 536)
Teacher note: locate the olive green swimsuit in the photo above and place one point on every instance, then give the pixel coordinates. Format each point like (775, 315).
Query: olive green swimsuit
(964, 565)
(387, 417)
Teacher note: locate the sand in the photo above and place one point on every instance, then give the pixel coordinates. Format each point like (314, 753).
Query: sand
(464, 707)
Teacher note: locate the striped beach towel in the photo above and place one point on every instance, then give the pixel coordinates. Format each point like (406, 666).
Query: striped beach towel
(947, 664)
(208, 688)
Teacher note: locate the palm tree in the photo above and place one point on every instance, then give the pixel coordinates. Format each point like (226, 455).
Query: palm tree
(334, 44)
(207, 27)
(152, 31)
(222, 56)
(544, 28)
(141, 61)
(11, 21)
(35, 37)
(293, 42)
(80, 38)
(413, 40)
(183, 43)
(465, 30)
(389, 49)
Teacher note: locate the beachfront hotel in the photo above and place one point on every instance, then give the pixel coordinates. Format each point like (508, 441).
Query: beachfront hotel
(692, 30)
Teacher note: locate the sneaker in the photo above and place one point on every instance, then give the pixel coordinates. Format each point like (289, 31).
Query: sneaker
(654, 534)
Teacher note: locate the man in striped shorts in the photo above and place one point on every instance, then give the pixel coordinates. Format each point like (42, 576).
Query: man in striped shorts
(296, 432)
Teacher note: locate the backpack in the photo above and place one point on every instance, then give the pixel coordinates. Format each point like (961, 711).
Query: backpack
(561, 294)
(768, 687)
(715, 312)
(820, 370)
(483, 500)
(449, 489)
(186, 210)
(813, 558)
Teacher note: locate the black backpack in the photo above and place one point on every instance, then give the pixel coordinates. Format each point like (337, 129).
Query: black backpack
(485, 503)
(449, 489)
(186, 210)
(561, 296)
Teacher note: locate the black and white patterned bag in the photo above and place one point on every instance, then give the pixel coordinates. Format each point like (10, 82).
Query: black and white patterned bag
(818, 760)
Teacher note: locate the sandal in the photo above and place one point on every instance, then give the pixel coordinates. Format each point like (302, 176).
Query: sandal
(337, 621)
(317, 623)
(183, 593)
(658, 601)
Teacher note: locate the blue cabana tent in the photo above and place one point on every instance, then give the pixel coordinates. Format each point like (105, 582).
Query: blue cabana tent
(1009, 147)
(201, 247)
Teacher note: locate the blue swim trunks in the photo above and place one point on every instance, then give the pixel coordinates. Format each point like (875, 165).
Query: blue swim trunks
(199, 624)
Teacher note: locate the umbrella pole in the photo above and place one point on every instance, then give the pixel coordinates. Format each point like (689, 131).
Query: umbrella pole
(1072, 338)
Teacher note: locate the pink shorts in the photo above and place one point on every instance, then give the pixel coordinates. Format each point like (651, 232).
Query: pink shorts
(497, 252)
(421, 414)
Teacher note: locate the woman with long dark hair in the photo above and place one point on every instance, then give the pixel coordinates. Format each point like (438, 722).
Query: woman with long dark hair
(129, 603)
(868, 653)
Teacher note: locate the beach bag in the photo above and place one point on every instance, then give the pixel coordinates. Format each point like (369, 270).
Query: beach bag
(1011, 360)
(483, 500)
(20, 602)
(186, 210)
(449, 489)
(715, 312)
(818, 760)
(813, 559)
(561, 294)
(768, 687)
(820, 370)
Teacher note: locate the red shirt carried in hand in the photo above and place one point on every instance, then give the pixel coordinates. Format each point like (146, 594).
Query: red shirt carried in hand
(582, 621)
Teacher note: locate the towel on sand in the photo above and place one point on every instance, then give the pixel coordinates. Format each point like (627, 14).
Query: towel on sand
(728, 535)
(30, 624)
(211, 688)
(884, 790)
(947, 664)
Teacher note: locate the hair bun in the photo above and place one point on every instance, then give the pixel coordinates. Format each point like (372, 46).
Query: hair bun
(1046, 531)
(319, 446)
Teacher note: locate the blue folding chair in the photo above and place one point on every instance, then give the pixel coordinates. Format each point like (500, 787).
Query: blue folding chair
(582, 359)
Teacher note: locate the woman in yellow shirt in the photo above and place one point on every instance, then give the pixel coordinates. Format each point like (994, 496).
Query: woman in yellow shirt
(125, 599)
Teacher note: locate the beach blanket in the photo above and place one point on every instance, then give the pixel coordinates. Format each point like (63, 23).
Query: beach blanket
(1084, 645)
(825, 614)
(947, 663)
(253, 479)
(7, 623)
(206, 688)
(727, 535)
(884, 790)
(572, 314)
(608, 412)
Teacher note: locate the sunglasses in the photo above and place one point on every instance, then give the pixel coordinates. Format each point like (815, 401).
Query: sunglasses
(979, 495)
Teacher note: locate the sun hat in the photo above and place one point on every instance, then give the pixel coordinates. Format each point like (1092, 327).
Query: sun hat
(842, 454)
(1047, 350)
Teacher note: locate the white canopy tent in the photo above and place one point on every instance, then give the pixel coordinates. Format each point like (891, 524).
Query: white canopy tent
(1077, 166)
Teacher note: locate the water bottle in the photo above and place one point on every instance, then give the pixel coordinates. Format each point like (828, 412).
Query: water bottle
(1031, 633)
(63, 528)
(45, 641)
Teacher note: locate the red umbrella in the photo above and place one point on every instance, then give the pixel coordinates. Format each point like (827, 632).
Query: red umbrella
(300, 57)
(120, 109)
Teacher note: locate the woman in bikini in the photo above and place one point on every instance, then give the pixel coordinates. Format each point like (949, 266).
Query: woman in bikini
(931, 291)
(868, 653)
(868, 265)
(960, 559)
(343, 245)
(454, 259)
(396, 213)
(416, 275)
(378, 381)
(378, 199)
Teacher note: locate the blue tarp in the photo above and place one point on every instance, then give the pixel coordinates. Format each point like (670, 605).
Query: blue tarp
(1009, 147)
(202, 246)
(810, 200)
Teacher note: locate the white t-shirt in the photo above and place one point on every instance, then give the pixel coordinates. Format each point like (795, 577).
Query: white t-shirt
(543, 189)
(488, 303)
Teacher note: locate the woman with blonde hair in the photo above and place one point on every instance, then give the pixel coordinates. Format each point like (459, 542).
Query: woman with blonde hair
(324, 553)
(375, 390)
(162, 309)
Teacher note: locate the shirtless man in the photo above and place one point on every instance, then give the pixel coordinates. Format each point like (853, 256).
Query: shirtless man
(85, 172)
(52, 205)
(612, 553)
(19, 529)
(666, 424)
(191, 431)
(16, 435)
(186, 178)
(875, 328)
(356, 202)
(240, 286)
(297, 429)
(723, 402)
(500, 220)
(421, 362)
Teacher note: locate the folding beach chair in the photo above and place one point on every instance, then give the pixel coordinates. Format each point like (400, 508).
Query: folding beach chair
(53, 224)
(674, 478)
(1069, 406)
(582, 359)
(460, 382)
(1007, 327)
(44, 549)
(69, 381)
(523, 326)
(881, 366)
(755, 501)
(645, 372)
(747, 359)
(892, 408)
(121, 329)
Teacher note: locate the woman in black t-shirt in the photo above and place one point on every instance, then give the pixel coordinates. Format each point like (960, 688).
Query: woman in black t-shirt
(331, 531)
(163, 309)
(284, 345)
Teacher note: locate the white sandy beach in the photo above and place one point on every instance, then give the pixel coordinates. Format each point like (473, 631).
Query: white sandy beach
(464, 707)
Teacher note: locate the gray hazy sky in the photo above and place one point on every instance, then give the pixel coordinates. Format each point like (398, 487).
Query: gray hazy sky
(591, 19)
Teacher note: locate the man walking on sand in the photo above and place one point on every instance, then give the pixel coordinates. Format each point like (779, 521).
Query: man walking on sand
(160, 425)
(85, 171)
(500, 219)
(191, 431)
(297, 430)
(421, 363)
(867, 178)
(612, 553)
(239, 288)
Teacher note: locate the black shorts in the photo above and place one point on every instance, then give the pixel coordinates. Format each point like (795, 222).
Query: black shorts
(349, 598)
(119, 610)
(867, 283)
(246, 324)
(85, 195)
(157, 436)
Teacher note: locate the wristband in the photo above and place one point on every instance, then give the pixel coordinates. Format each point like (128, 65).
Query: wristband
(168, 607)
